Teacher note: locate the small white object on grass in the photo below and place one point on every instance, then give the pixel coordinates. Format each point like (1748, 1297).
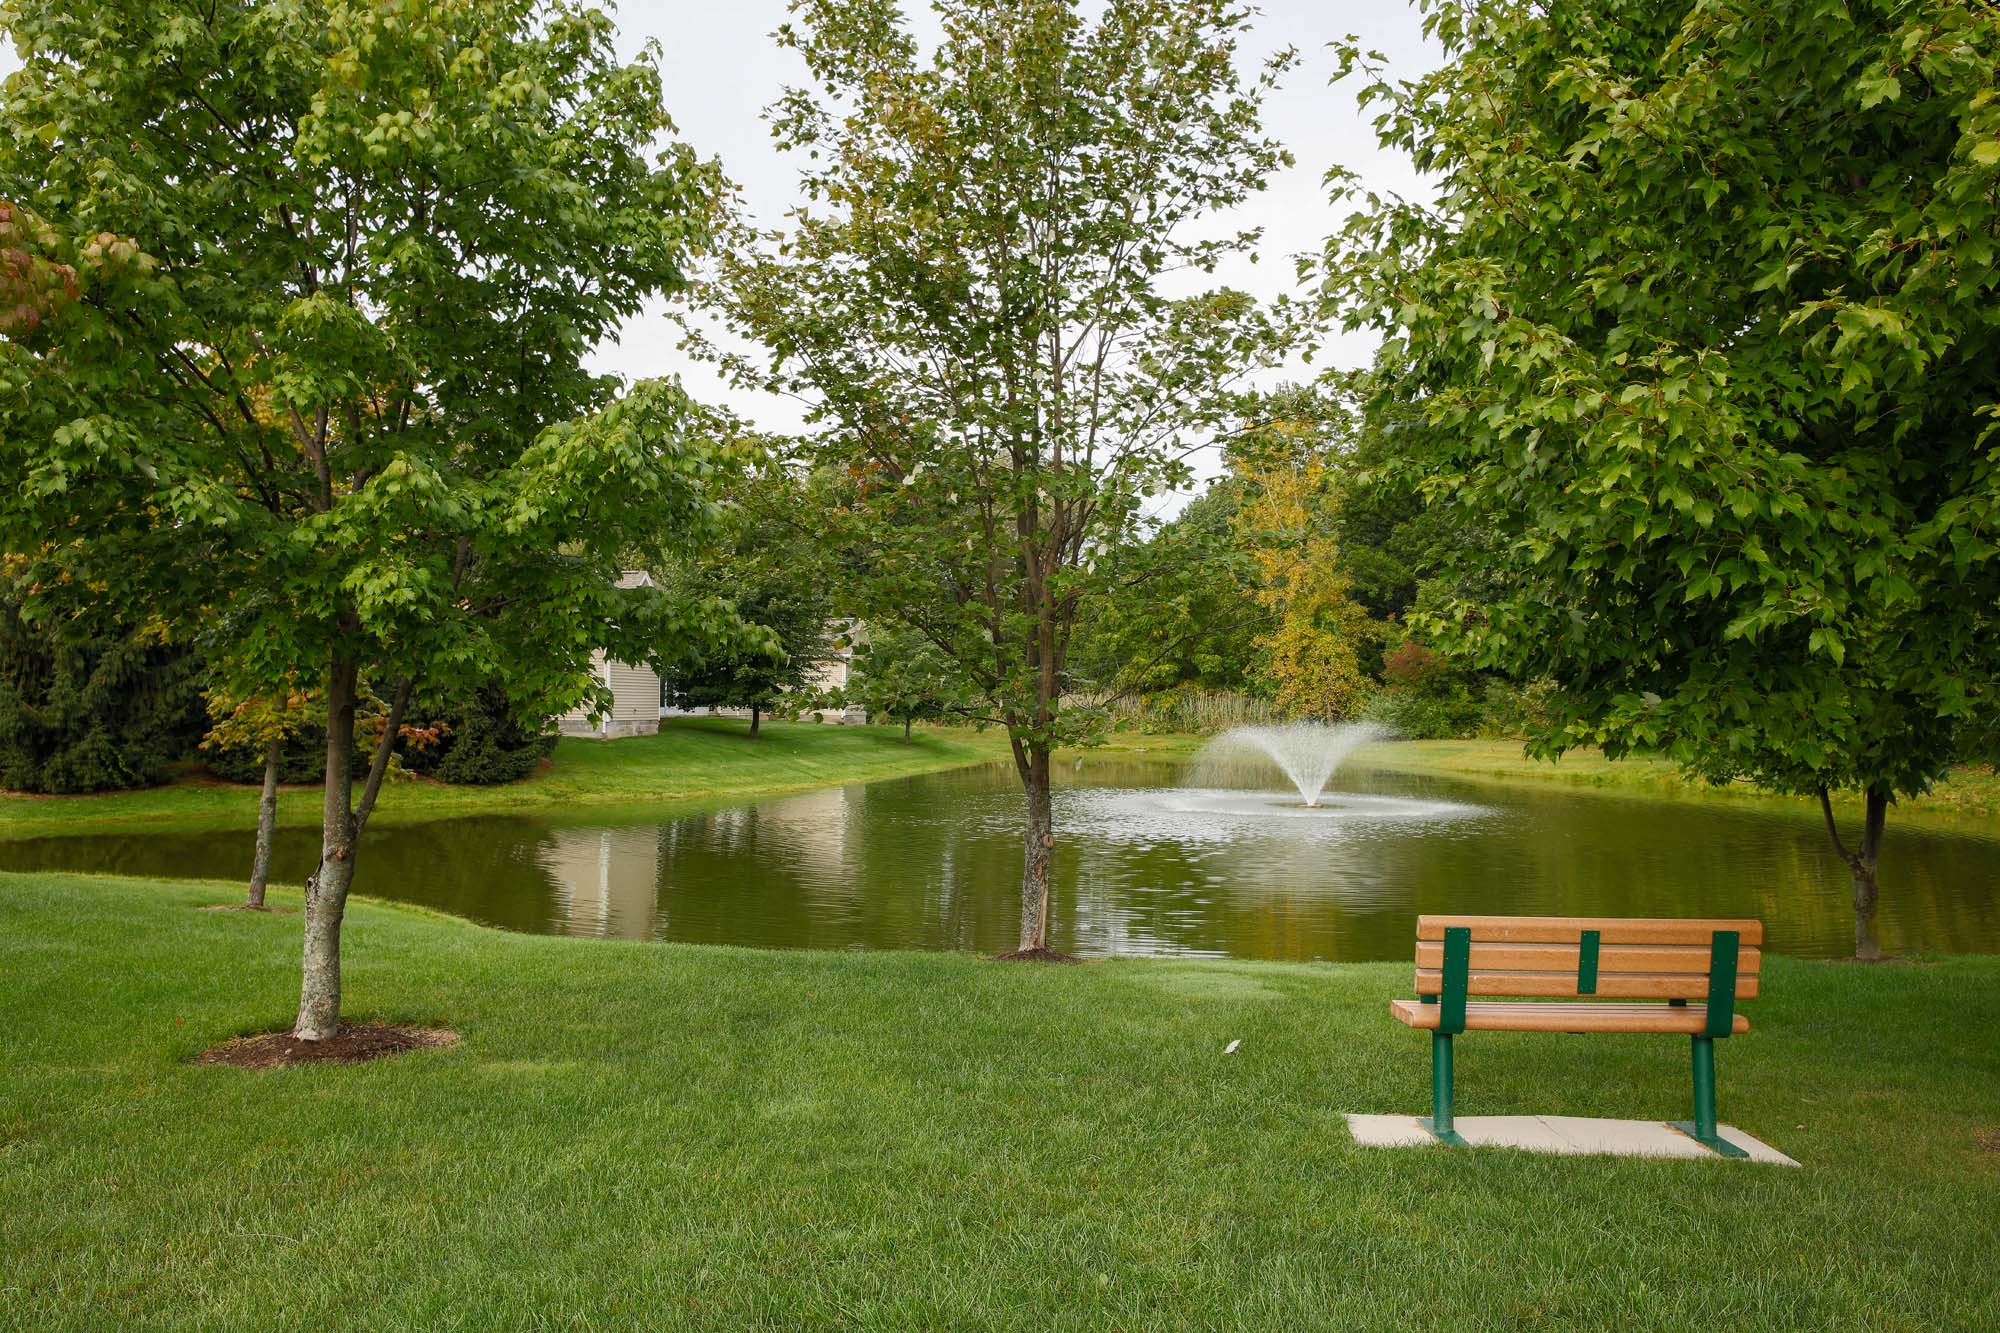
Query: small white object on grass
(1230, 1049)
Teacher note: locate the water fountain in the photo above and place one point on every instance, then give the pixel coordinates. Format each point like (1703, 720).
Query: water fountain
(1263, 785)
(1308, 753)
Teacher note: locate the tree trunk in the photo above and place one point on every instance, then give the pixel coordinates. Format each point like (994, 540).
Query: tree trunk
(756, 716)
(1861, 863)
(326, 891)
(1038, 850)
(906, 731)
(1866, 891)
(267, 824)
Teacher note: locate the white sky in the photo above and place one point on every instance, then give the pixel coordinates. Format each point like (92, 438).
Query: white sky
(722, 69)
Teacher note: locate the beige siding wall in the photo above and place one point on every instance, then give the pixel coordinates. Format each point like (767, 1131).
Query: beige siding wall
(635, 702)
(635, 692)
(577, 720)
(828, 675)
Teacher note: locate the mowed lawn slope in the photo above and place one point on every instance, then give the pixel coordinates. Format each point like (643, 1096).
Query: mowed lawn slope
(1967, 796)
(667, 1135)
(691, 759)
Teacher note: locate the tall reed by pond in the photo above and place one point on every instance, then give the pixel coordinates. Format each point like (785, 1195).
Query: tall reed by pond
(1198, 713)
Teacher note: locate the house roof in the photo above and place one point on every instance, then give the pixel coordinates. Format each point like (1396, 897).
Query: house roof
(634, 578)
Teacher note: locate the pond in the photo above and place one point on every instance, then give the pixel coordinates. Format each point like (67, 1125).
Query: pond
(1144, 867)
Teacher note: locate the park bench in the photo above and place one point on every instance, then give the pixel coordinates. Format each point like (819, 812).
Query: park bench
(1583, 974)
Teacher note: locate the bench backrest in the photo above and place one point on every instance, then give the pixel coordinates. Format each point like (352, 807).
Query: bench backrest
(1564, 957)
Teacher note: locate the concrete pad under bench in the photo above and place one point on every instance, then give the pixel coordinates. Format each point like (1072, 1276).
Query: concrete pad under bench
(1569, 1134)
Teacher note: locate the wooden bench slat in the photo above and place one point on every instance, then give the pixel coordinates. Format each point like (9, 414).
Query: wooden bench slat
(1555, 1017)
(1610, 957)
(1562, 985)
(1569, 929)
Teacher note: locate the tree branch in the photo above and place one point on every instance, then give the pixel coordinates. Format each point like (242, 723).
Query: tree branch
(1833, 830)
(380, 764)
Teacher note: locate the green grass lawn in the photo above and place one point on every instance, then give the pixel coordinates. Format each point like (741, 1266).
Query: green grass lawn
(1967, 799)
(1969, 794)
(713, 759)
(661, 1135)
(1970, 789)
(692, 759)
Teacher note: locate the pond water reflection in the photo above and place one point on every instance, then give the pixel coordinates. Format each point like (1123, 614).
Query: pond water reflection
(1143, 867)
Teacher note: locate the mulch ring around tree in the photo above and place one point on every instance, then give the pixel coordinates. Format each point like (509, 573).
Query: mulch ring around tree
(1036, 956)
(350, 1045)
(243, 907)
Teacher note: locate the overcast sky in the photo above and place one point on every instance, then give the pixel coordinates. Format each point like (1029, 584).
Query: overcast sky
(722, 69)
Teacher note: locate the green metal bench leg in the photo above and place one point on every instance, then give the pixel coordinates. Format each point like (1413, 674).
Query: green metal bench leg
(1702, 1128)
(1439, 1122)
(1451, 1020)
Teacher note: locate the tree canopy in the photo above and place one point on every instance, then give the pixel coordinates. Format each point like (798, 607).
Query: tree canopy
(972, 300)
(1178, 612)
(767, 560)
(321, 387)
(900, 676)
(1288, 465)
(1701, 329)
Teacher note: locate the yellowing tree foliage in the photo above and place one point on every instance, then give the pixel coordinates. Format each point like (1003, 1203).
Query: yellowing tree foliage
(1311, 652)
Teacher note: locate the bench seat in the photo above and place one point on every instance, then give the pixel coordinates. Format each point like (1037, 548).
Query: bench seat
(1481, 1016)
